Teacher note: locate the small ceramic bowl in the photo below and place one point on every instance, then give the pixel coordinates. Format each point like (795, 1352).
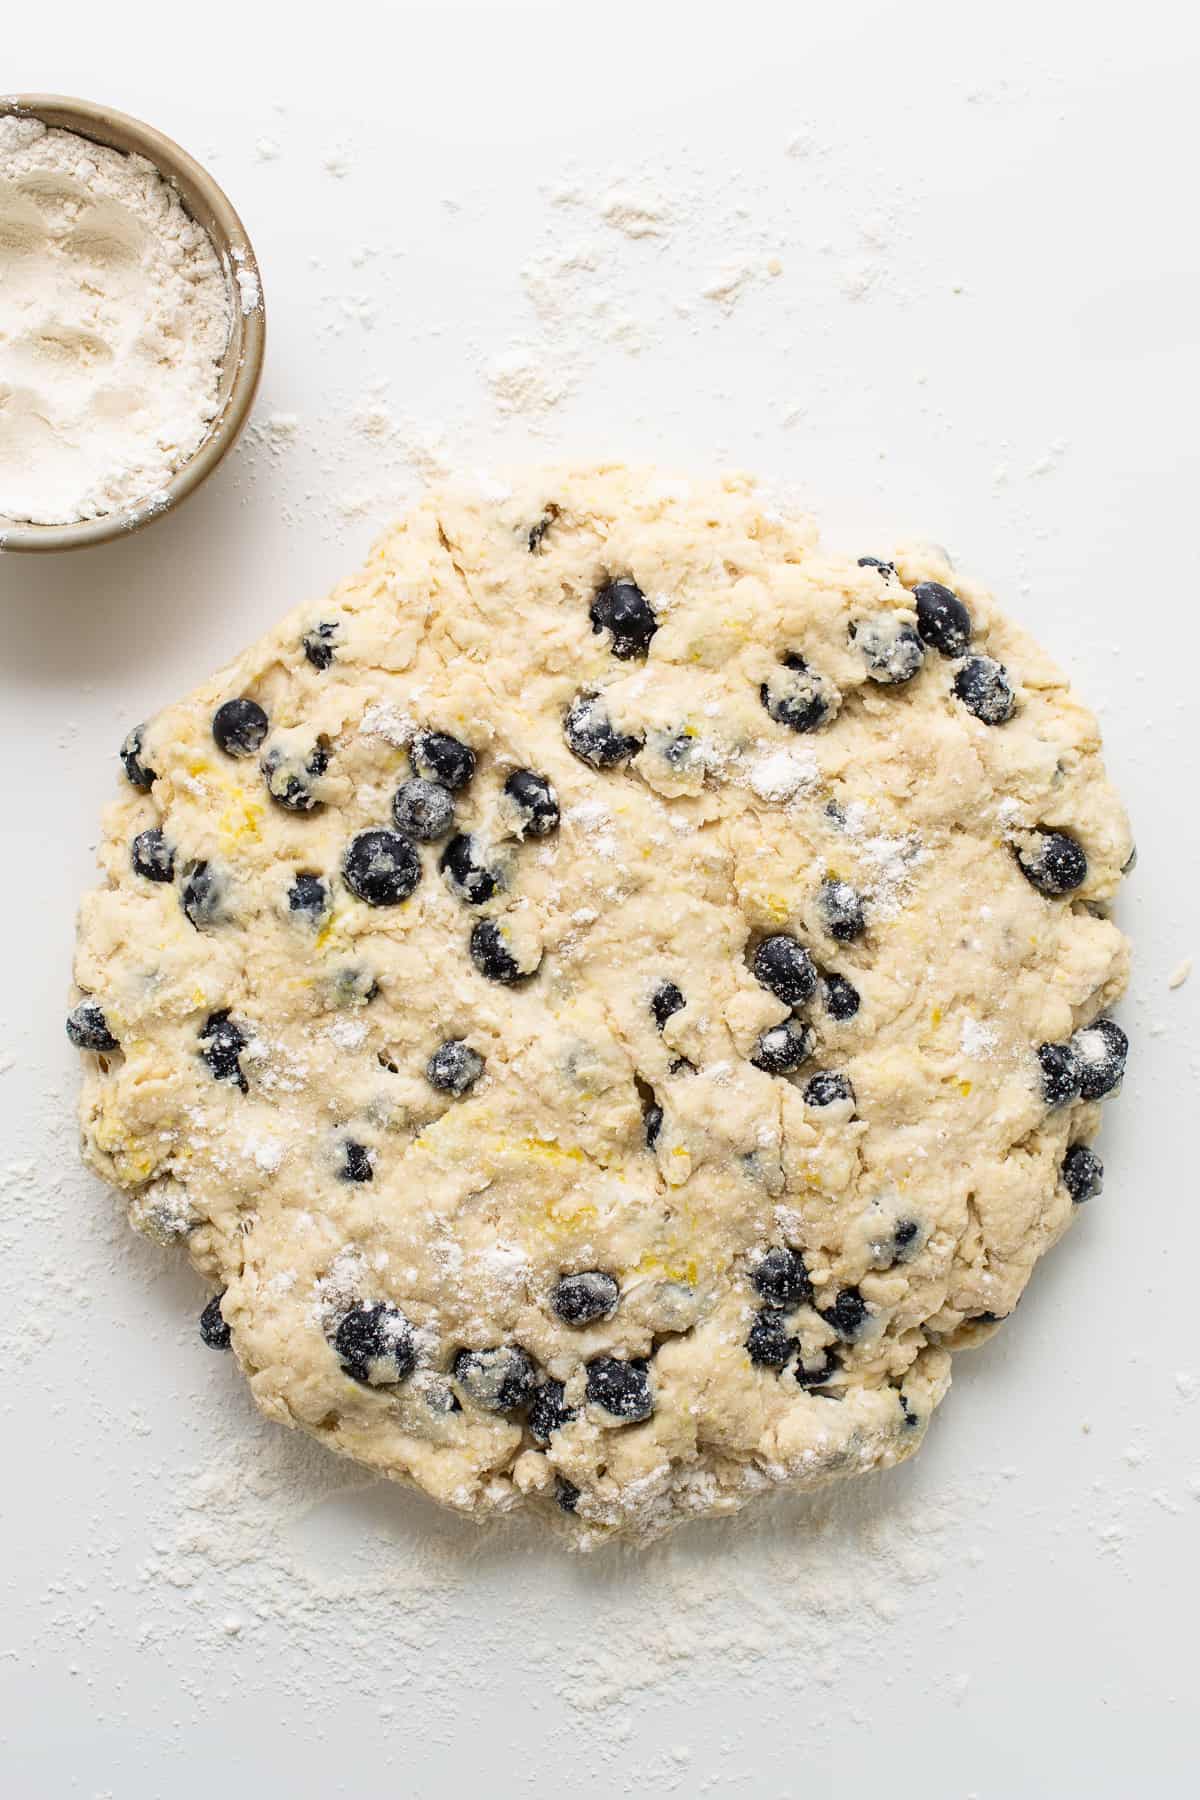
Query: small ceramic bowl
(242, 362)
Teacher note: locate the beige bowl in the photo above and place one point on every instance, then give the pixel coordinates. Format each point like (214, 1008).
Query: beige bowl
(242, 362)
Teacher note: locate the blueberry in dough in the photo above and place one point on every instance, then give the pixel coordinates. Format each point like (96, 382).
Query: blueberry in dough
(906, 1238)
(582, 1299)
(289, 778)
(318, 644)
(665, 1002)
(817, 1371)
(842, 999)
(374, 1345)
(566, 1494)
(621, 1389)
(780, 1277)
(202, 895)
(847, 1315)
(213, 1329)
(622, 609)
(467, 876)
(1082, 1173)
(1054, 863)
(501, 1380)
(493, 955)
(137, 773)
(984, 687)
(151, 855)
(88, 1029)
(539, 528)
(1060, 1074)
(769, 1343)
(826, 1088)
(843, 911)
(591, 735)
(653, 1119)
(782, 1048)
(239, 727)
(423, 810)
(436, 756)
(891, 647)
(1100, 1050)
(310, 897)
(877, 562)
(221, 1044)
(942, 620)
(358, 1164)
(799, 697)
(381, 867)
(548, 1411)
(454, 1068)
(784, 967)
(534, 801)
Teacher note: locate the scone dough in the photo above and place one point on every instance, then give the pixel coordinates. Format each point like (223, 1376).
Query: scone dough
(388, 1125)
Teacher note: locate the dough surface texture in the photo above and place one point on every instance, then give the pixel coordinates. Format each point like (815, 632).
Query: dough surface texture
(690, 1061)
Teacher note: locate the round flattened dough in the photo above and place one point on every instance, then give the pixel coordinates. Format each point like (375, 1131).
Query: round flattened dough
(271, 1101)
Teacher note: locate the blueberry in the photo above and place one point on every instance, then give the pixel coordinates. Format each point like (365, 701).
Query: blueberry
(876, 562)
(590, 734)
(136, 771)
(942, 619)
(826, 1088)
(782, 1048)
(1082, 1173)
(1060, 1074)
(566, 1494)
(665, 1002)
(310, 897)
(1055, 864)
(582, 1299)
(781, 1278)
(436, 756)
(621, 608)
(1100, 1051)
(289, 778)
(454, 1067)
(769, 1343)
(843, 910)
(88, 1029)
(784, 967)
(213, 1329)
(906, 1237)
(538, 530)
(910, 1417)
(653, 1121)
(500, 1380)
(798, 697)
(534, 802)
(983, 686)
(492, 954)
(821, 1370)
(623, 1389)
(423, 810)
(202, 895)
(548, 1411)
(467, 877)
(318, 644)
(892, 648)
(358, 1164)
(152, 857)
(841, 998)
(375, 1345)
(381, 867)
(221, 1044)
(239, 727)
(847, 1315)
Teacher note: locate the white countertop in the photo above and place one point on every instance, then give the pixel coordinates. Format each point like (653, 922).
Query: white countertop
(982, 330)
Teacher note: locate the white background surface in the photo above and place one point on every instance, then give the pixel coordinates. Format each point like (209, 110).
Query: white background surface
(985, 332)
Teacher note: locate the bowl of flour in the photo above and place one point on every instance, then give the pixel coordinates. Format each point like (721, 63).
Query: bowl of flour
(131, 324)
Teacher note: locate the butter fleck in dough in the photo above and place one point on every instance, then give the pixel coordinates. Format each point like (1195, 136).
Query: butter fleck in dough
(270, 1104)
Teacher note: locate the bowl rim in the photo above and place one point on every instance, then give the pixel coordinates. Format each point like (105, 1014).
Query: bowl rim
(206, 202)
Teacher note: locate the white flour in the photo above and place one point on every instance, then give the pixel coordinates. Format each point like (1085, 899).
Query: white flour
(114, 314)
